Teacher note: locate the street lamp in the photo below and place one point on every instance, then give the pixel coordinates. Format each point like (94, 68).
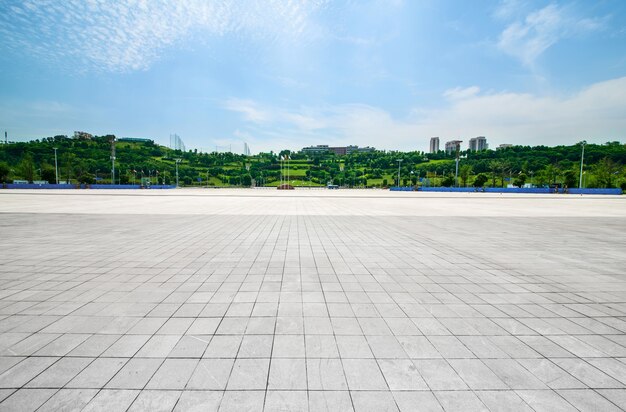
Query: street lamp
(456, 173)
(177, 162)
(399, 163)
(582, 158)
(56, 165)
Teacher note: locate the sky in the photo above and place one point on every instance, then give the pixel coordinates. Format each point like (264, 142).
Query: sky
(285, 74)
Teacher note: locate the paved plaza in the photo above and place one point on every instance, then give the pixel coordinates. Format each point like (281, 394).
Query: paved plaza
(311, 300)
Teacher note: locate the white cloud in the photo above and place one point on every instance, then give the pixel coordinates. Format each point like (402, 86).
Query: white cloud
(594, 113)
(127, 35)
(529, 37)
(459, 93)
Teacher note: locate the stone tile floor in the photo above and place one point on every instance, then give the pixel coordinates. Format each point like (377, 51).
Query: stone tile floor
(370, 310)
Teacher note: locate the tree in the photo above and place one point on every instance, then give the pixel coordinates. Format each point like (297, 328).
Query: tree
(26, 168)
(464, 173)
(569, 178)
(4, 171)
(520, 180)
(606, 170)
(480, 180)
(447, 181)
(494, 165)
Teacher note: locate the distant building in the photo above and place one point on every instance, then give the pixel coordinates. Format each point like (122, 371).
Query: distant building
(434, 144)
(453, 145)
(476, 144)
(338, 150)
(320, 148)
(82, 135)
(504, 146)
(134, 139)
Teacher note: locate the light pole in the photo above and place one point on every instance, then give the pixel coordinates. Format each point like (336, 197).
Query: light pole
(113, 161)
(399, 163)
(207, 178)
(582, 158)
(177, 162)
(56, 165)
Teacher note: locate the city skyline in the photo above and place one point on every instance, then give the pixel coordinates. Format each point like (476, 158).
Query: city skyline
(290, 75)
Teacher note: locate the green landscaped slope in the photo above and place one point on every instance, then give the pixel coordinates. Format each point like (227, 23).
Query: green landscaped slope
(88, 161)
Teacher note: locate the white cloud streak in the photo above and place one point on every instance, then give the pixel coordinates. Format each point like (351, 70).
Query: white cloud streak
(529, 37)
(594, 113)
(128, 35)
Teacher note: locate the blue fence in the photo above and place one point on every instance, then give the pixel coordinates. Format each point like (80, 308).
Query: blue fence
(612, 191)
(99, 186)
(34, 186)
(81, 186)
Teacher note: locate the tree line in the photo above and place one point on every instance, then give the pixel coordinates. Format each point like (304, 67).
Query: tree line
(89, 161)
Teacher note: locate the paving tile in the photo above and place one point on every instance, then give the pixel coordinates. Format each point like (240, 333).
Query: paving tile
(371, 401)
(173, 374)
(59, 374)
(417, 401)
(286, 401)
(26, 399)
(330, 401)
(545, 401)
(460, 401)
(350, 300)
(111, 400)
(98, 373)
(587, 400)
(135, 374)
(242, 401)
(199, 401)
(363, 374)
(151, 400)
(68, 400)
(24, 371)
(249, 374)
(325, 374)
(288, 374)
(211, 374)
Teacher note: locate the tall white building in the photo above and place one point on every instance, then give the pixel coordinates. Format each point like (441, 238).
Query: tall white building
(453, 145)
(434, 144)
(477, 144)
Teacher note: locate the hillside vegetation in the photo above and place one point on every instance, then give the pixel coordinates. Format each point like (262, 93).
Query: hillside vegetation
(88, 161)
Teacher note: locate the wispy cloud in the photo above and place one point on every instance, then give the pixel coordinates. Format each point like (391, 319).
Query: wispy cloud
(529, 35)
(594, 113)
(127, 35)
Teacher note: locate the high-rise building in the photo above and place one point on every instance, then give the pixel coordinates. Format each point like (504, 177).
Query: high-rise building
(453, 145)
(434, 144)
(476, 144)
(504, 146)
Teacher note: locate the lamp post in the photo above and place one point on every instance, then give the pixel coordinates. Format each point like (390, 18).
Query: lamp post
(56, 165)
(399, 163)
(113, 161)
(177, 162)
(207, 178)
(582, 158)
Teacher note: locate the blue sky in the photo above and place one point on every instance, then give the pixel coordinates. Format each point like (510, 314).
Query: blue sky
(286, 74)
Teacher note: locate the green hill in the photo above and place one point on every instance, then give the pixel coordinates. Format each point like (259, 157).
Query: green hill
(89, 161)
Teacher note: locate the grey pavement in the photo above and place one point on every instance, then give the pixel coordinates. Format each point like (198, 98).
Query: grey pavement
(311, 300)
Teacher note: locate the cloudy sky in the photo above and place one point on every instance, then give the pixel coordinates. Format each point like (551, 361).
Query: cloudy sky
(287, 73)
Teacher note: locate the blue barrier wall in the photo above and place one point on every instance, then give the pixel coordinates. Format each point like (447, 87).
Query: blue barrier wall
(99, 186)
(81, 186)
(401, 189)
(612, 191)
(34, 186)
